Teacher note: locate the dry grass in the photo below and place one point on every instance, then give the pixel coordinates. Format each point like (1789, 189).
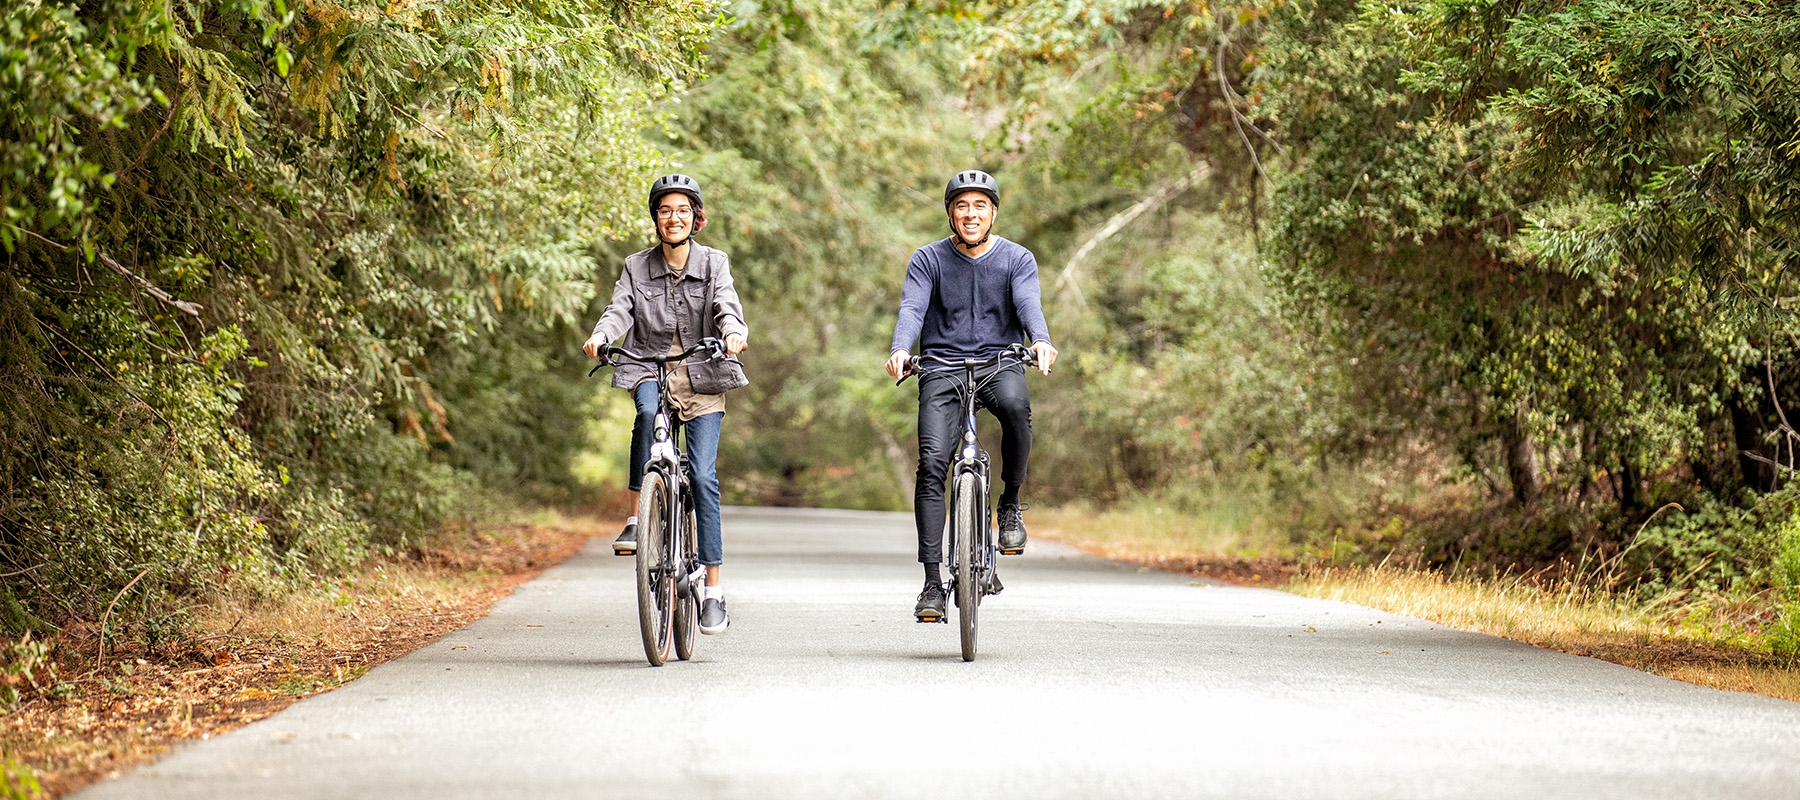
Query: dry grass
(1773, 681)
(1229, 544)
(247, 658)
(1138, 534)
(1550, 617)
(1568, 617)
(1696, 645)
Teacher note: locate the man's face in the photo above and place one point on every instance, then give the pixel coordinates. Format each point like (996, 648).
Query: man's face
(972, 215)
(674, 216)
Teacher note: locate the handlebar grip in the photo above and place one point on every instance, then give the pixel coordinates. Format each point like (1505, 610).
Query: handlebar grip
(604, 355)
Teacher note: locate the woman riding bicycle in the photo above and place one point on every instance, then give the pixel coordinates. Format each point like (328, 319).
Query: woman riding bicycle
(667, 298)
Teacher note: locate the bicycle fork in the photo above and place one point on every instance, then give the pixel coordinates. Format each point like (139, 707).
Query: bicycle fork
(972, 460)
(665, 454)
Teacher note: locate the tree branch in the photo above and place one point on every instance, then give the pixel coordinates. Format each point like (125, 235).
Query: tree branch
(145, 153)
(39, 237)
(111, 374)
(148, 287)
(192, 309)
(1070, 279)
(422, 123)
(100, 659)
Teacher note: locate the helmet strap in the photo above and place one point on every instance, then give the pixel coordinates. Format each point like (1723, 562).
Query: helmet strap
(965, 242)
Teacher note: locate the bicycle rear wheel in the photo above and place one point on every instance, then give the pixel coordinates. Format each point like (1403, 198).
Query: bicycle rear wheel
(687, 610)
(967, 532)
(655, 569)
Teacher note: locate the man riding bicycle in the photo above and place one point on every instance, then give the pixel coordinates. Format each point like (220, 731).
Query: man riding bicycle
(967, 296)
(668, 298)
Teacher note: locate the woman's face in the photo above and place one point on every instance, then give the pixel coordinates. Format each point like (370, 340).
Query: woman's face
(674, 217)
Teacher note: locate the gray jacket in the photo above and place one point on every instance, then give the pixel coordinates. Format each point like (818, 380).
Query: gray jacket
(649, 315)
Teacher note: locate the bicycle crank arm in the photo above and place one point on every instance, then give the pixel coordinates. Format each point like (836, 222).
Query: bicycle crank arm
(684, 586)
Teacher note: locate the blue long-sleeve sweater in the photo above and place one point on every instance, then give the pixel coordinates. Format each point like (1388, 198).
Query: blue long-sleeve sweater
(961, 307)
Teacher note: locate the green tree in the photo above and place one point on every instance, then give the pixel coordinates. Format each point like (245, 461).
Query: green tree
(282, 284)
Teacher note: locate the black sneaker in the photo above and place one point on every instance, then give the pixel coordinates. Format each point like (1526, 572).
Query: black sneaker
(931, 603)
(713, 618)
(626, 544)
(1012, 529)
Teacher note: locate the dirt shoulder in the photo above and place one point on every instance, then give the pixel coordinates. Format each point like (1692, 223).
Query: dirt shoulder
(241, 663)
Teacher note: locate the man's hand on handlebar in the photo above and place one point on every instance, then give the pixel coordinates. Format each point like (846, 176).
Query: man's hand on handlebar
(592, 348)
(736, 343)
(896, 364)
(1046, 355)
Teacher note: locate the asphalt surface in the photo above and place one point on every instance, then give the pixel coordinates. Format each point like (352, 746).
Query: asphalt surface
(1095, 679)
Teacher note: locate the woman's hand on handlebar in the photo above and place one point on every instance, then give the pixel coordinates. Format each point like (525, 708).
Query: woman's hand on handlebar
(594, 348)
(736, 343)
(896, 364)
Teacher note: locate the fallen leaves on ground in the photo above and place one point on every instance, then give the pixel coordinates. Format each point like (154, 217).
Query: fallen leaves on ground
(147, 699)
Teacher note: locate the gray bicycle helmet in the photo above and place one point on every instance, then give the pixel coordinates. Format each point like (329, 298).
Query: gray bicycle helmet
(972, 180)
(675, 183)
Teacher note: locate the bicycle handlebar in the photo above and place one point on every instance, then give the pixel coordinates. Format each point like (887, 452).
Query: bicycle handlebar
(612, 356)
(1018, 352)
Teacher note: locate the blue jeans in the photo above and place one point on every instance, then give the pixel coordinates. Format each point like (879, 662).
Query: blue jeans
(703, 453)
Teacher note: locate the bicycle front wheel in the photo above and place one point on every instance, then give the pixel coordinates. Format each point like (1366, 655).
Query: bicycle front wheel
(969, 521)
(656, 561)
(687, 609)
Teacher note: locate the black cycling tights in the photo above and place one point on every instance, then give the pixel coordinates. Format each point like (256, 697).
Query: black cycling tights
(940, 434)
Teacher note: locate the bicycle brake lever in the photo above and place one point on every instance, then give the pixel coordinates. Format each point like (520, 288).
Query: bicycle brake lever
(596, 369)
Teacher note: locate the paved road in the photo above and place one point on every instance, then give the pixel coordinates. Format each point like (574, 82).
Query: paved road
(1096, 679)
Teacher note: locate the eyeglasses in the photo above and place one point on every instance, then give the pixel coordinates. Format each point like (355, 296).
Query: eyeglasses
(665, 212)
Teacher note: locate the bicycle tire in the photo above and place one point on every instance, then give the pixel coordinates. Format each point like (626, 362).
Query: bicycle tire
(969, 508)
(655, 577)
(687, 612)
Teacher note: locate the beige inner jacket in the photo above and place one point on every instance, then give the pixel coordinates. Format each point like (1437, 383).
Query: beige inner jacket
(688, 403)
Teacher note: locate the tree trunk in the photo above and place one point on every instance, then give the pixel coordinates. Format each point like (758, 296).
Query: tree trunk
(1588, 444)
(904, 468)
(1630, 478)
(1521, 461)
(1746, 431)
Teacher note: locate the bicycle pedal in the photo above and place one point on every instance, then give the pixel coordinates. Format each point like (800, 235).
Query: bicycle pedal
(931, 618)
(624, 551)
(1019, 551)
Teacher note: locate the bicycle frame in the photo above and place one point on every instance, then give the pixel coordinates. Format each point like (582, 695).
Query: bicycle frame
(971, 458)
(668, 458)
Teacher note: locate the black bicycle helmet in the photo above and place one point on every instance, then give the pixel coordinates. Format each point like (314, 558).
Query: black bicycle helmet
(972, 180)
(675, 183)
